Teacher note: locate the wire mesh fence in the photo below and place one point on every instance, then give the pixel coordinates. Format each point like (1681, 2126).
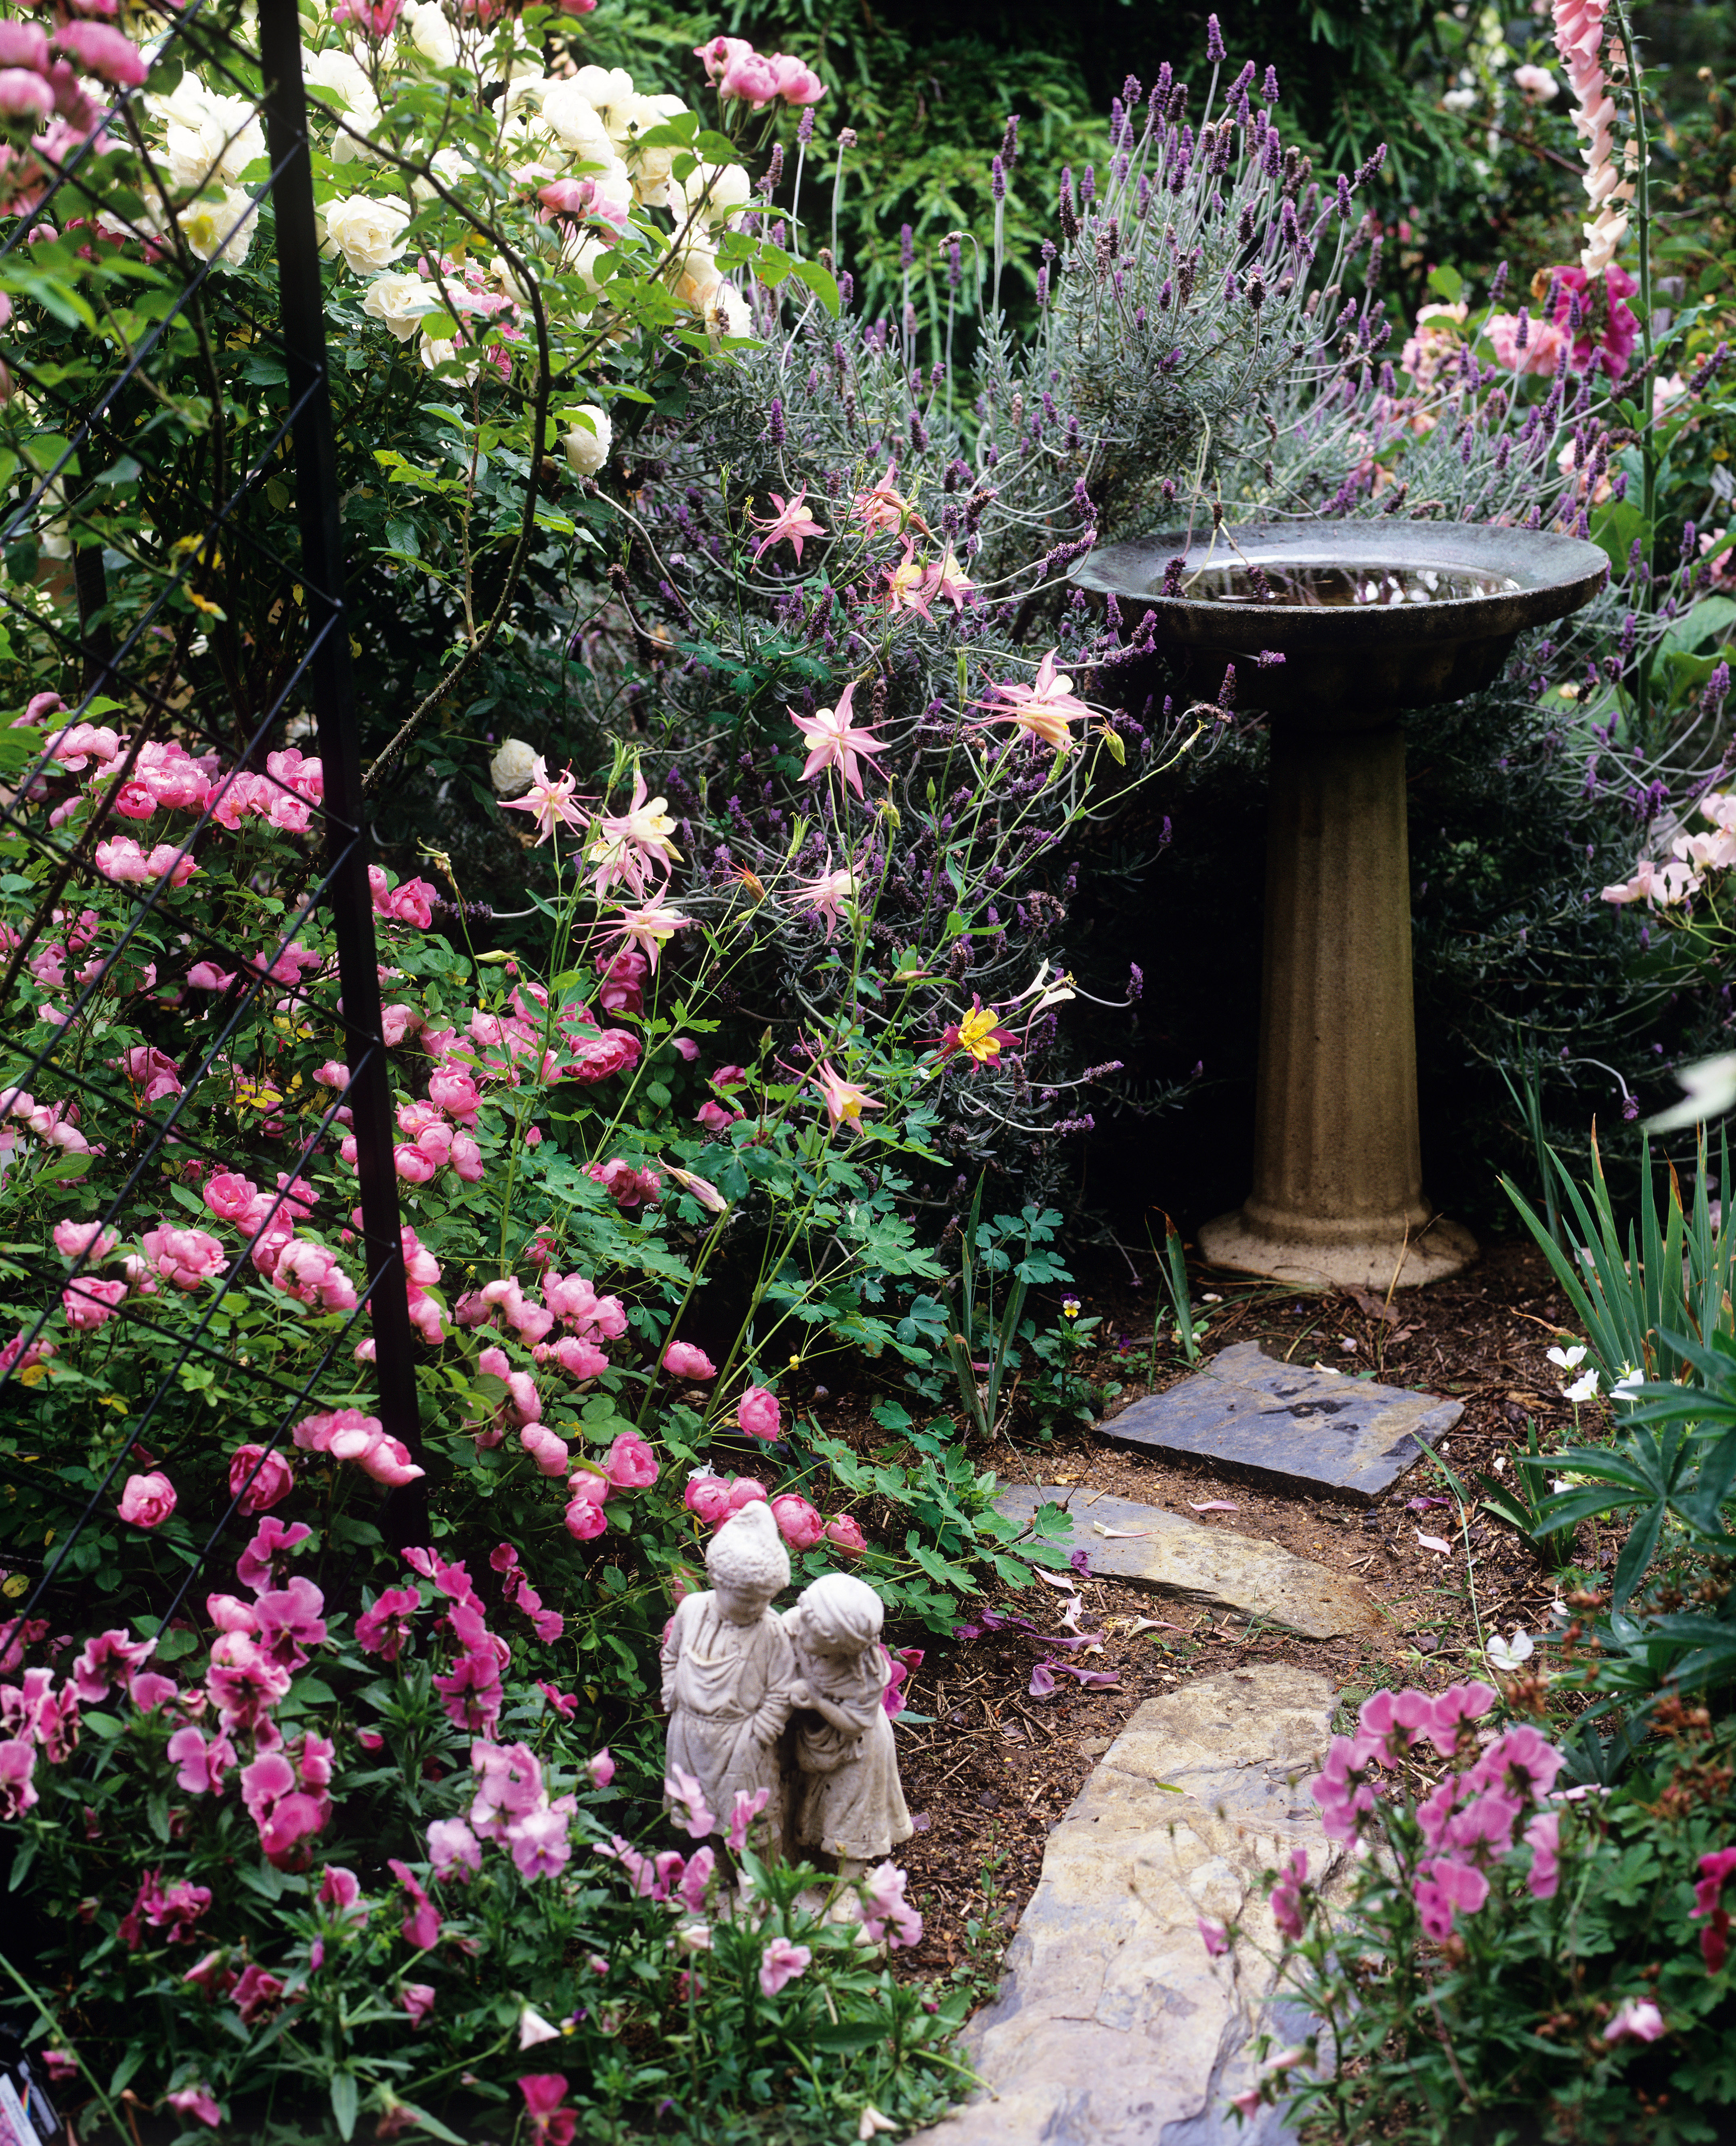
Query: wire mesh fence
(203, 1252)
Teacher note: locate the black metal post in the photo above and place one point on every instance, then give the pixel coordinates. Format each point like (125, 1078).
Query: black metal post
(332, 693)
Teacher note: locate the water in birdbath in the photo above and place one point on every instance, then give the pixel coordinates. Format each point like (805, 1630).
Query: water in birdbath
(1340, 587)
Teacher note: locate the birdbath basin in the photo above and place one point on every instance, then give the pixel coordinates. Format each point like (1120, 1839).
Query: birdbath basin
(1371, 618)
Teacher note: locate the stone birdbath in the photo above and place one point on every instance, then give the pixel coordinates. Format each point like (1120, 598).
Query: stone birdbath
(1371, 618)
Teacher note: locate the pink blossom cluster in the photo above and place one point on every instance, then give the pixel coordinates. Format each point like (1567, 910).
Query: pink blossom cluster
(1470, 1818)
(34, 1717)
(712, 1499)
(629, 1464)
(55, 1123)
(512, 1807)
(627, 1187)
(757, 78)
(685, 1878)
(431, 1145)
(410, 901)
(470, 1689)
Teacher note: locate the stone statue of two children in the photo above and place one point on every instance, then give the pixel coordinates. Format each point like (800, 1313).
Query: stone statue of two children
(789, 1703)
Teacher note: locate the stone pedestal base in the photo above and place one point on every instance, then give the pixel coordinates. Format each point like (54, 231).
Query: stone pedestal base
(1338, 1193)
(1438, 1249)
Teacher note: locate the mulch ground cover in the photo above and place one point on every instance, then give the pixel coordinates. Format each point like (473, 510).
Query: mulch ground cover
(992, 1771)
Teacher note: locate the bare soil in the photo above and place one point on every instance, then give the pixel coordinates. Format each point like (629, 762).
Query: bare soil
(992, 1770)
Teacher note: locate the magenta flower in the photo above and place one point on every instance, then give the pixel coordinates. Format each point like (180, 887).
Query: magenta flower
(797, 1522)
(148, 1501)
(544, 2092)
(585, 1520)
(417, 1999)
(1637, 2020)
(792, 520)
(682, 1360)
(694, 1818)
(758, 1414)
(630, 1464)
(748, 1808)
(847, 1534)
(17, 1764)
(888, 1917)
(454, 1850)
(834, 741)
(1213, 1937)
(1287, 1896)
(421, 1925)
(601, 1768)
(259, 1479)
(707, 1497)
(196, 2101)
(781, 1962)
(845, 1101)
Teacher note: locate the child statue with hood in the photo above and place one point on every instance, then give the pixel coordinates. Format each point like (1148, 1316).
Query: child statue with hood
(851, 1803)
(728, 1669)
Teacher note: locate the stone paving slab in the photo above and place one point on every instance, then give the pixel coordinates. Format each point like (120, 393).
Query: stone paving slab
(1113, 2028)
(1288, 1427)
(1211, 1568)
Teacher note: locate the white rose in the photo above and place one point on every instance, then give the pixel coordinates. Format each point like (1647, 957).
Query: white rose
(588, 442)
(400, 301)
(449, 166)
(512, 769)
(369, 234)
(573, 120)
(651, 166)
(342, 83)
(206, 136)
(431, 33)
(223, 226)
(714, 192)
(610, 94)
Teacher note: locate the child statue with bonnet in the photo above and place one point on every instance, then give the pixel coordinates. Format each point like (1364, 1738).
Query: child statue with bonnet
(850, 1801)
(728, 1669)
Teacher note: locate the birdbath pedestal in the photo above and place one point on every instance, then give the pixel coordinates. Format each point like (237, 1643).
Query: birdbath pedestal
(1371, 618)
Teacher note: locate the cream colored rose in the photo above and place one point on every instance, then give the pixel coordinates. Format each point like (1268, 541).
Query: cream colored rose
(513, 768)
(206, 136)
(698, 277)
(649, 167)
(573, 120)
(341, 82)
(431, 33)
(369, 234)
(713, 193)
(727, 314)
(400, 302)
(610, 94)
(587, 444)
(220, 226)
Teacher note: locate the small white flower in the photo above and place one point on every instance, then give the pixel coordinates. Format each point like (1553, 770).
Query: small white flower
(1570, 1360)
(873, 2121)
(533, 2028)
(1461, 100)
(1630, 1381)
(1582, 1390)
(1508, 1654)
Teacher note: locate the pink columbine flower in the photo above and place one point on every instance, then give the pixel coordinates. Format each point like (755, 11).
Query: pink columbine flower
(651, 927)
(792, 520)
(681, 1360)
(549, 800)
(834, 741)
(797, 1522)
(148, 1501)
(1042, 708)
(829, 894)
(883, 508)
(630, 846)
(845, 1101)
(781, 1962)
(758, 1414)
